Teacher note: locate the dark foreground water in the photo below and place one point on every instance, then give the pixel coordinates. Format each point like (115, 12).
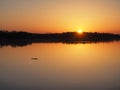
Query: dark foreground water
(57, 66)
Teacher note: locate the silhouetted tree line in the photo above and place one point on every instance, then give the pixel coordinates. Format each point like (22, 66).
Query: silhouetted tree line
(21, 38)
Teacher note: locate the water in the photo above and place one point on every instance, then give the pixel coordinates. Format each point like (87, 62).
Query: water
(60, 66)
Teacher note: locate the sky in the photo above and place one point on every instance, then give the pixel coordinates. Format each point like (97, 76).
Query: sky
(45, 16)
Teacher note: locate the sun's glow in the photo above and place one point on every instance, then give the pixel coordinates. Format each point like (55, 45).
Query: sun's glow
(80, 31)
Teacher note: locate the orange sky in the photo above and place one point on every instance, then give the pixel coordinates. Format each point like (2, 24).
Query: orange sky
(60, 15)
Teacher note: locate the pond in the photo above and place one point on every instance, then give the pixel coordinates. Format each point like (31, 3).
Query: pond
(60, 66)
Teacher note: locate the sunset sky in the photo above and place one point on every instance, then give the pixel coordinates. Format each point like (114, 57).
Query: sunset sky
(44, 16)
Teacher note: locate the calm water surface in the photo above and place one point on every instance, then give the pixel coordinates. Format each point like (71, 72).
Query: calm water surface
(61, 67)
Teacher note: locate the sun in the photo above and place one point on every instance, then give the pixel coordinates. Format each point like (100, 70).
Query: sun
(80, 31)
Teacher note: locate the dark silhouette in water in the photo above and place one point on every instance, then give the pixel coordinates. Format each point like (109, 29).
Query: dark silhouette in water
(34, 58)
(15, 38)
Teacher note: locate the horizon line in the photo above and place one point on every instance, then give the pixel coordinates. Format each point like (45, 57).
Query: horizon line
(58, 32)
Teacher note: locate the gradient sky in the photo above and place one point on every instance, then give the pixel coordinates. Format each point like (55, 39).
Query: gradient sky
(60, 15)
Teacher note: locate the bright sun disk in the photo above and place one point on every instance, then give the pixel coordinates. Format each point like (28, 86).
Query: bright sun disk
(80, 31)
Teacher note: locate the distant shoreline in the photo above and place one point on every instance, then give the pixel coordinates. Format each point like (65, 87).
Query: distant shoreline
(21, 38)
